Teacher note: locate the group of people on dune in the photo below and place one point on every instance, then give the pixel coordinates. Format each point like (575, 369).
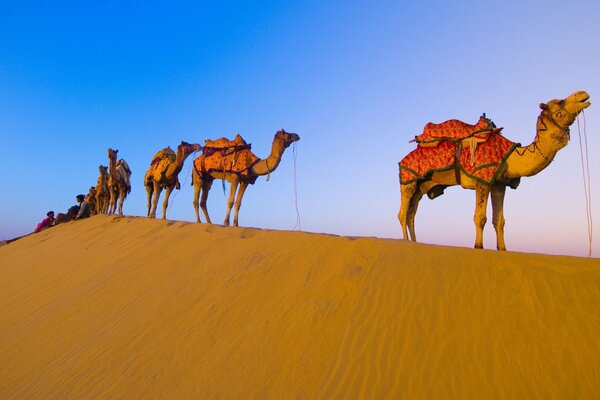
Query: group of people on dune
(80, 210)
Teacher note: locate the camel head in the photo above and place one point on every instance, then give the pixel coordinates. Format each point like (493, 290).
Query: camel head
(112, 154)
(91, 193)
(188, 148)
(287, 137)
(561, 114)
(103, 169)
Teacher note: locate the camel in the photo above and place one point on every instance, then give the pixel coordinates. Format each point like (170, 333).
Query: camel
(102, 191)
(118, 181)
(552, 135)
(163, 174)
(91, 200)
(202, 179)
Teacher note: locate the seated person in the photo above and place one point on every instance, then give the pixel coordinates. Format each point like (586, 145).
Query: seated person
(84, 207)
(46, 222)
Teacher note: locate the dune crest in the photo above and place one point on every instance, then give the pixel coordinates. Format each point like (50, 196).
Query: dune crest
(133, 308)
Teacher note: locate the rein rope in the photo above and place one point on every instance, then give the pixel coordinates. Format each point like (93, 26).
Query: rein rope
(298, 224)
(268, 172)
(534, 146)
(585, 168)
(172, 199)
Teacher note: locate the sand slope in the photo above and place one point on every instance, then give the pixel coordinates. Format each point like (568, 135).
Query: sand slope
(129, 308)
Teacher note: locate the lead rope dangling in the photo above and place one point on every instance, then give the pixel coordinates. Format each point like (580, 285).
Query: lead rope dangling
(268, 172)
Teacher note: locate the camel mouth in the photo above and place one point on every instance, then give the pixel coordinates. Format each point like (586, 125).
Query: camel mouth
(293, 137)
(583, 100)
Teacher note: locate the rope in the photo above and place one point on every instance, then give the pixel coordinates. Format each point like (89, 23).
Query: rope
(298, 224)
(585, 167)
(176, 192)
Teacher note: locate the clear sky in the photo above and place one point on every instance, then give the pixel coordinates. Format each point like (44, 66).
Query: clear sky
(355, 79)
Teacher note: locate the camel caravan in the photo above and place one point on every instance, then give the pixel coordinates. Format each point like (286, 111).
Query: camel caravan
(452, 153)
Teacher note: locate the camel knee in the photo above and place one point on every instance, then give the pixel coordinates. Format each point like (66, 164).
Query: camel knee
(480, 220)
(498, 222)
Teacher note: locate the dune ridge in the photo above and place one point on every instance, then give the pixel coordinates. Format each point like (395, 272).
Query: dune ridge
(146, 309)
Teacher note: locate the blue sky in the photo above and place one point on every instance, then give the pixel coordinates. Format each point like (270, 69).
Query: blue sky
(355, 79)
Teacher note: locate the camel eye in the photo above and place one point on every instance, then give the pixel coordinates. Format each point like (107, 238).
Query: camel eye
(558, 114)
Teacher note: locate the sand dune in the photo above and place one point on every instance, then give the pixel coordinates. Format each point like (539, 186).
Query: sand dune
(130, 308)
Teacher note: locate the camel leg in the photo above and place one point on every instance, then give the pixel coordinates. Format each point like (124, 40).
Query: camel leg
(197, 183)
(238, 202)
(406, 193)
(168, 191)
(498, 192)
(110, 202)
(233, 189)
(122, 195)
(205, 190)
(412, 211)
(114, 197)
(157, 190)
(99, 204)
(149, 192)
(482, 192)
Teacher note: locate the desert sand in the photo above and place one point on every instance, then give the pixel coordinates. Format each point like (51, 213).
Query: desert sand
(131, 308)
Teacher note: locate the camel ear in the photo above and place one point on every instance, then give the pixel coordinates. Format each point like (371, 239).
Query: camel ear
(543, 106)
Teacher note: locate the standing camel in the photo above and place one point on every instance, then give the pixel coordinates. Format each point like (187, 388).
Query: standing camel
(163, 174)
(90, 198)
(552, 135)
(102, 191)
(118, 181)
(203, 177)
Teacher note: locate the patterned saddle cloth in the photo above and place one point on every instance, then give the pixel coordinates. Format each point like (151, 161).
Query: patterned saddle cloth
(159, 164)
(224, 155)
(455, 130)
(477, 150)
(225, 145)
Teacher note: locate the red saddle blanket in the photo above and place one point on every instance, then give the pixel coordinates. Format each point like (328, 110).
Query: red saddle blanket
(223, 155)
(456, 130)
(481, 163)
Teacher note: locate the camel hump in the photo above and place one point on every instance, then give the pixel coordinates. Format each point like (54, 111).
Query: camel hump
(166, 153)
(124, 166)
(455, 130)
(223, 143)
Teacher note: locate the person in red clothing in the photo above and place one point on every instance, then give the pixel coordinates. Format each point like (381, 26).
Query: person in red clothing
(46, 222)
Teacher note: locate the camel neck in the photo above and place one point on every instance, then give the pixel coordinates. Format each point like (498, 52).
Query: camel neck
(176, 167)
(112, 167)
(531, 159)
(269, 164)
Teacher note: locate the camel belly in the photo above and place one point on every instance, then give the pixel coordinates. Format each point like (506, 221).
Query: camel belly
(435, 185)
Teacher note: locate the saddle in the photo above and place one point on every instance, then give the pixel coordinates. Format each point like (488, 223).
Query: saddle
(224, 155)
(477, 150)
(225, 145)
(166, 153)
(454, 130)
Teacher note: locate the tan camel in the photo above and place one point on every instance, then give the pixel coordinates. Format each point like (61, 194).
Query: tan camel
(552, 135)
(203, 180)
(90, 198)
(102, 191)
(118, 181)
(163, 174)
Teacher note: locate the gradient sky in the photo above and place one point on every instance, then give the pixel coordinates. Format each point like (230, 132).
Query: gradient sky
(355, 79)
